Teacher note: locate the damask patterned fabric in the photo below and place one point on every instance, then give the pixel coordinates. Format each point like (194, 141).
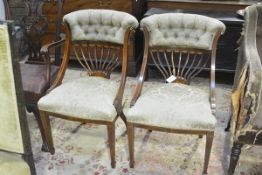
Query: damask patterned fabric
(173, 106)
(182, 30)
(12, 164)
(100, 25)
(86, 97)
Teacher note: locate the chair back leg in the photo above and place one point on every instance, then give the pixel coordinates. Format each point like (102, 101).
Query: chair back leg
(34, 109)
(44, 117)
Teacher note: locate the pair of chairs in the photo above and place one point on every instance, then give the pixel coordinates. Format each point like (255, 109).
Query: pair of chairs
(179, 44)
(15, 145)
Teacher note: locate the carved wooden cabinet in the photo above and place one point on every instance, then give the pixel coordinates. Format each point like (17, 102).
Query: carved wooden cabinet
(134, 7)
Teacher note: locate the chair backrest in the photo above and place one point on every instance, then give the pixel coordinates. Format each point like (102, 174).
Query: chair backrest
(99, 39)
(180, 44)
(14, 133)
(247, 88)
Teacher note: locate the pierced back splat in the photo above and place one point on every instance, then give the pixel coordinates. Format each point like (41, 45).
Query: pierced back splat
(183, 64)
(98, 59)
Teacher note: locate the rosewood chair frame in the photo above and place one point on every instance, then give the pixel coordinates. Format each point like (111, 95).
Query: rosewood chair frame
(179, 71)
(96, 67)
(28, 154)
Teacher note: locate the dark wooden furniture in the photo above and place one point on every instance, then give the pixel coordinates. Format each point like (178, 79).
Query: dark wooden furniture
(15, 136)
(214, 5)
(167, 50)
(99, 57)
(36, 79)
(136, 8)
(246, 125)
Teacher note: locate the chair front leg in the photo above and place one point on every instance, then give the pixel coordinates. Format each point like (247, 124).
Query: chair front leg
(209, 141)
(235, 153)
(131, 136)
(44, 117)
(111, 141)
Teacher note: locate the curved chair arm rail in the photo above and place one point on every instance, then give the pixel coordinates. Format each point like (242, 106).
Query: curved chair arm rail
(65, 60)
(46, 48)
(45, 51)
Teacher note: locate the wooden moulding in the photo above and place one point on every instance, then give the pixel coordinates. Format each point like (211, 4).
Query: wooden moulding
(199, 4)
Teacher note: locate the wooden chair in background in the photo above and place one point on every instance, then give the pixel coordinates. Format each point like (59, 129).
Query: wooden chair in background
(180, 45)
(15, 145)
(246, 121)
(36, 78)
(99, 39)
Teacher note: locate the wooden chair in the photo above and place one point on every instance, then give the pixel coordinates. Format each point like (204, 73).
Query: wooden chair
(15, 146)
(246, 122)
(99, 38)
(36, 78)
(180, 45)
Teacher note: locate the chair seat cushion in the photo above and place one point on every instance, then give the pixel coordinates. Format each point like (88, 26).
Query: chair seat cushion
(13, 164)
(174, 106)
(86, 97)
(34, 80)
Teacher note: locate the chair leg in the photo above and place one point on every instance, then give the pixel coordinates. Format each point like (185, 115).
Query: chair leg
(235, 153)
(111, 141)
(33, 108)
(130, 133)
(209, 141)
(47, 131)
